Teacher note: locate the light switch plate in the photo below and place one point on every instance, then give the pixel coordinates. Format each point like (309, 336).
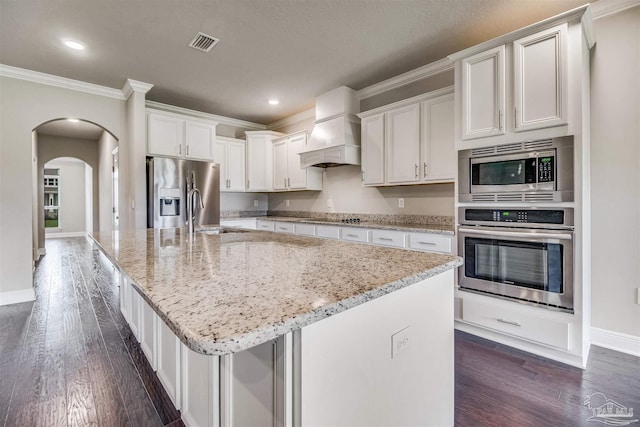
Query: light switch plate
(400, 342)
(401, 202)
(255, 203)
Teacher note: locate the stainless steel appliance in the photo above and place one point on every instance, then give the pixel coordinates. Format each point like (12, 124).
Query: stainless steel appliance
(533, 171)
(524, 254)
(168, 182)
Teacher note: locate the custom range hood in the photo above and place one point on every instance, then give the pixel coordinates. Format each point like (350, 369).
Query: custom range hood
(335, 138)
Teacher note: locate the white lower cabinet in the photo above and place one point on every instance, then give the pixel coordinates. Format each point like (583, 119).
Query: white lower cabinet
(125, 297)
(305, 229)
(429, 242)
(169, 362)
(328, 231)
(283, 227)
(530, 323)
(250, 224)
(361, 235)
(200, 391)
(266, 225)
(391, 238)
(148, 333)
(134, 315)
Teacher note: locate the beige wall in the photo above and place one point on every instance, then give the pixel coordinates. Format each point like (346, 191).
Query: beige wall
(23, 107)
(106, 144)
(615, 172)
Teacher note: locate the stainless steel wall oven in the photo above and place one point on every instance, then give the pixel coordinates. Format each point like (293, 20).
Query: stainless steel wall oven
(524, 254)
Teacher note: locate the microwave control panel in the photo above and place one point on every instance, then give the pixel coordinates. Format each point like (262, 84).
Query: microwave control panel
(546, 169)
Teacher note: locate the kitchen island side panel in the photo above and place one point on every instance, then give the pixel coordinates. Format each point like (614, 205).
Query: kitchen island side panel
(349, 376)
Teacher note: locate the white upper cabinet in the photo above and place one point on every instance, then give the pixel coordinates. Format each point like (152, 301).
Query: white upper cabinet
(402, 140)
(230, 154)
(438, 149)
(372, 148)
(176, 135)
(287, 173)
(260, 160)
(410, 142)
(483, 94)
(540, 79)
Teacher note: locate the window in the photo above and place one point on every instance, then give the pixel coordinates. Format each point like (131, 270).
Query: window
(51, 198)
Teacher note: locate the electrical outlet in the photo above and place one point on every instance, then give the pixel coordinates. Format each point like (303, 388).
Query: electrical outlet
(255, 203)
(400, 342)
(401, 202)
(330, 203)
(286, 202)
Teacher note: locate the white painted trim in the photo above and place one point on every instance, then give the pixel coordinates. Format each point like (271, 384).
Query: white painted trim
(617, 341)
(131, 86)
(15, 297)
(67, 234)
(57, 81)
(206, 116)
(603, 8)
(292, 120)
(42, 252)
(440, 66)
(408, 101)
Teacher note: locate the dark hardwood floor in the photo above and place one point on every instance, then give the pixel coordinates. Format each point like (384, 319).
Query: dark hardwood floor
(70, 359)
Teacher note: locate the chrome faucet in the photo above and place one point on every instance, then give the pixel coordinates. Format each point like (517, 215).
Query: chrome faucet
(191, 208)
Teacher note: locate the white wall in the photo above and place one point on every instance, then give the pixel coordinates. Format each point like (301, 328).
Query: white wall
(243, 202)
(72, 200)
(24, 106)
(615, 172)
(88, 197)
(106, 144)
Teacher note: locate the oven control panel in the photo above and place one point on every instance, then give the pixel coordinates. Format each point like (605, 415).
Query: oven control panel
(527, 216)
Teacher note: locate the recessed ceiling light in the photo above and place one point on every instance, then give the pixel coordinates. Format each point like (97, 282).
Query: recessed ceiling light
(74, 44)
(73, 120)
(274, 102)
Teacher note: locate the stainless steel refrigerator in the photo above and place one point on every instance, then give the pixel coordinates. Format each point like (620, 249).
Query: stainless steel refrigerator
(169, 180)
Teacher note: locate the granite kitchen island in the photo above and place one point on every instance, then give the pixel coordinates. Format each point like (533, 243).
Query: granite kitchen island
(261, 328)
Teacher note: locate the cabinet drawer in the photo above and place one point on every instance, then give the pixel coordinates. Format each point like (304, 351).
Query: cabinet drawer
(284, 227)
(305, 229)
(388, 238)
(239, 223)
(328, 231)
(266, 225)
(356, 234)
(514, 322)
(429, 242)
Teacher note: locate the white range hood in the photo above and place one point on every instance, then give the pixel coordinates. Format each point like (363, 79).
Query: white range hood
(335, 138)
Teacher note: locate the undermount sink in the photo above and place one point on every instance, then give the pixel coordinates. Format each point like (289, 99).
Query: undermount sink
(220, 230)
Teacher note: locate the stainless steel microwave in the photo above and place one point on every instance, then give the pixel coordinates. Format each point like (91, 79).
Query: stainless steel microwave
(532, 171)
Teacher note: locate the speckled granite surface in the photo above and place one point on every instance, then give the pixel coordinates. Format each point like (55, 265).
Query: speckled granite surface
(225, 293)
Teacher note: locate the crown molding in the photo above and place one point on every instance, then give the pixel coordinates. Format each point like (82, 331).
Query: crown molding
(131, 86)
(206, 116)
(292, 120)
(420, 73)
(57, 81)
(602, 8)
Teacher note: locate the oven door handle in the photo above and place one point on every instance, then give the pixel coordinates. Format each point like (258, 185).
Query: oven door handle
(526, 235)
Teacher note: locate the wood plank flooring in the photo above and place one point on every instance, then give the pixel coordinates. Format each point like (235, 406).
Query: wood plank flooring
(70, 359)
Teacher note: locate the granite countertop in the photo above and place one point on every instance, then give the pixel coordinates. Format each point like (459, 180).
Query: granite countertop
(225, 293)
(408, 227)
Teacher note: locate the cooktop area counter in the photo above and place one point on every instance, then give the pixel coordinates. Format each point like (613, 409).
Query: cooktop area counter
(322, 315)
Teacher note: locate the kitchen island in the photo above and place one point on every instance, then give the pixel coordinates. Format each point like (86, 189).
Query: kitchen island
(270, 329)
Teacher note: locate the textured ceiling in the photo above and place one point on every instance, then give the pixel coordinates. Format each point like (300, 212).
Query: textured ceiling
(293, 50)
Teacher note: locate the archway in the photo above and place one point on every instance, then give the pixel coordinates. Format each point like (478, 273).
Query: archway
(89, 144)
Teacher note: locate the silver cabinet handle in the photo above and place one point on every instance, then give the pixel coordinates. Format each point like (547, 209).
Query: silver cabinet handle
(362, 173)
(187, 150)
(285, 182)
(288, 182)
(499, 119)
(425, 169)
(180, 149)
(427, 243)
(509, 322)
(416, 168)
(385, 239)
(352, 235)
(515, 117)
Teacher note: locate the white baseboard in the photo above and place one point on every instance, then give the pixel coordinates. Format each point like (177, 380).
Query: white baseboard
(617, 341)
(69, 234)
(15, 297)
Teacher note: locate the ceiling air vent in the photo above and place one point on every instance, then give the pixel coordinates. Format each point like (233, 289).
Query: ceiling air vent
(203, 42)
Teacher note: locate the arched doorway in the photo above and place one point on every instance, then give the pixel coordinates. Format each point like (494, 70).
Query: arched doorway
(84, 149)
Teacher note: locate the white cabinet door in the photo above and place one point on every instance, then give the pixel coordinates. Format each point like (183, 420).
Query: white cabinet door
(540, 80)
(283, 227)
(200, 394)
(165, 135)
(220, 156)
(235, 166)
(372, 129)
(402, 144)
(200, 138)
(297, 179)
(280, 163)
(134, 317)
(148, 333)
(259, 163)
(125, 297)
(169, 362)
(483, 94)
(438, 139)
